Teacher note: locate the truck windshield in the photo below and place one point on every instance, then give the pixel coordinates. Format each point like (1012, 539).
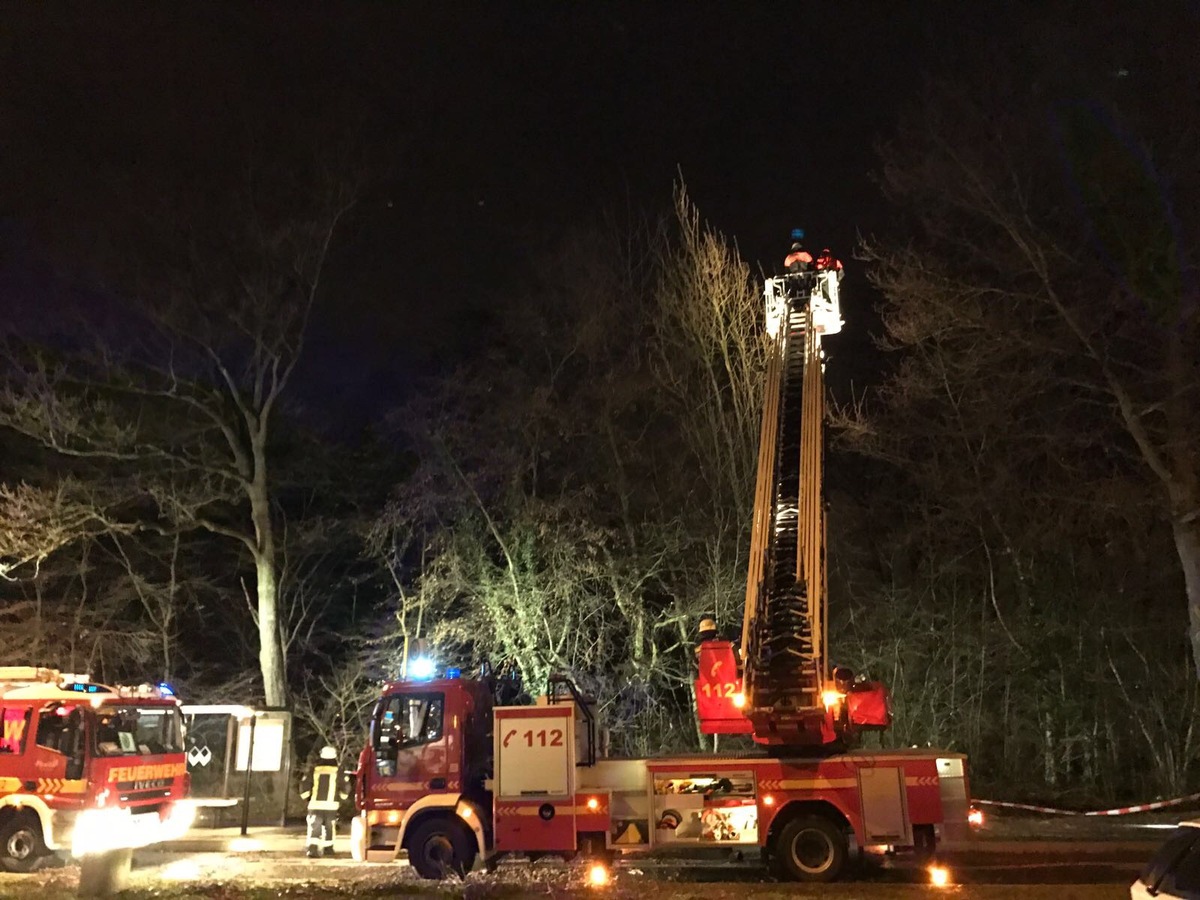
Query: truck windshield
(138, 731)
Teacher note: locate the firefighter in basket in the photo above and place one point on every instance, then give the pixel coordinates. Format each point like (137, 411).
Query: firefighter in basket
(324, 788)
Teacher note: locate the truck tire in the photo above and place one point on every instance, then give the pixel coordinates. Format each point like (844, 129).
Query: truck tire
(439, 847)
(21, 844)
(810, 848)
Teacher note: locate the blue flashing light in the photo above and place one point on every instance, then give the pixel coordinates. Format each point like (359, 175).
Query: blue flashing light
(454, 672)
(83, 687)
(165, 689)
(797, 234)
(421, 668)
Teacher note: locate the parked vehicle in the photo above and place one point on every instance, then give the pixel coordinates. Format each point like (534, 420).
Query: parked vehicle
(86, 768)
(1174, 871)
(451, 777)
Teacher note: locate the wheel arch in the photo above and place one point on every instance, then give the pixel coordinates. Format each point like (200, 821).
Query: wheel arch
(795, 809)
(834, 848)
(29, 804)
(452, 806)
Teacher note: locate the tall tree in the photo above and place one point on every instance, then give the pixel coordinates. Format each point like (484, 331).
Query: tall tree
(1046, 292)
(579, 487)
(182, 383)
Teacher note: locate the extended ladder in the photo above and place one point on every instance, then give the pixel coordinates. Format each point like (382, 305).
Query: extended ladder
(783, 635)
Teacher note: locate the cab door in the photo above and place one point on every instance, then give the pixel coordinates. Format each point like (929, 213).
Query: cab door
(409, 739)
(59, 745)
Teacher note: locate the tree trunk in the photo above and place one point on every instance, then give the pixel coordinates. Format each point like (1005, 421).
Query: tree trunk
(1049, 767)
(1187, 545)
(270, 640)
(270, 650)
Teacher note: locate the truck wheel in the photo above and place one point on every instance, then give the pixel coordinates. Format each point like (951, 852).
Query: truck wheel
(439, 847)
(810, 848)
(21, 844)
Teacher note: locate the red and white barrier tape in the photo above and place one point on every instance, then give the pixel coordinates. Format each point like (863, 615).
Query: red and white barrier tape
(1121, 811)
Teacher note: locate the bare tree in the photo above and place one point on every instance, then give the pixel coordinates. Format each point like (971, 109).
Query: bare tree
(709, 356)
(35, 522)
(70, 614)
(1009, 562)
(180, 388)
(160, 602)
(584, 491)
(1051, 253)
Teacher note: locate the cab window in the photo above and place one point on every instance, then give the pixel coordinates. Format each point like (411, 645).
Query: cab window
(409, 720)
(58, 728)
(138, 730)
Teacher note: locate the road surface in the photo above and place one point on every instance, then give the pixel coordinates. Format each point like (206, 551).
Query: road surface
(1073, 870)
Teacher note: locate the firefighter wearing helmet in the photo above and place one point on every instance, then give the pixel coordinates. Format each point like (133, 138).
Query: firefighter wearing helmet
(324, 788)
(708, 632)
(798, 259)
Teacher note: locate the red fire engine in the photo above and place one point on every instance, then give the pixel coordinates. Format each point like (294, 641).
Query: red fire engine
(451, 774)
(86, 768)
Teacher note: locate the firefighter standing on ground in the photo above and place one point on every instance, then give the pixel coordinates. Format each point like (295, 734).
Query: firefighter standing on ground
(324, 788)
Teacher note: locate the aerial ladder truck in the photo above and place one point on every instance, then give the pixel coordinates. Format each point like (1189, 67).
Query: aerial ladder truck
(454, 772)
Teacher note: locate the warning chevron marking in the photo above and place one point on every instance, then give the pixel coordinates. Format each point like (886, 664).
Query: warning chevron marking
(60, 786)
(817, 784)
(805, 784)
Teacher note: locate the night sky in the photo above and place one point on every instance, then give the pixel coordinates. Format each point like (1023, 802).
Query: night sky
(495, 126)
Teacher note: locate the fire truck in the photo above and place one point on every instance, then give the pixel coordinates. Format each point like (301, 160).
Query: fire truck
(453, 773)
(86, 768)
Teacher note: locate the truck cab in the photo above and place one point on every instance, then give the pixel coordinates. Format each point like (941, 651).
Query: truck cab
(427, 758)
(86, 768)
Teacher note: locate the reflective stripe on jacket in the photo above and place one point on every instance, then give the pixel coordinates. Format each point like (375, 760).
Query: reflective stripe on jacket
(322, 788)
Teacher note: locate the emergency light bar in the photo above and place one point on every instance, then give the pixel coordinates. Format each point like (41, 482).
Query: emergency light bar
(86, 687)
(422, 669)
(152, 691)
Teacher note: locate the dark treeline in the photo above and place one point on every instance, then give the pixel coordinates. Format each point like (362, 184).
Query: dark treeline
(1015, 502)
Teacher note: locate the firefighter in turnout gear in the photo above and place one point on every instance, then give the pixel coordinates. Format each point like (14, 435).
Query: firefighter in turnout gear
(324, 788)
(798, 259)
